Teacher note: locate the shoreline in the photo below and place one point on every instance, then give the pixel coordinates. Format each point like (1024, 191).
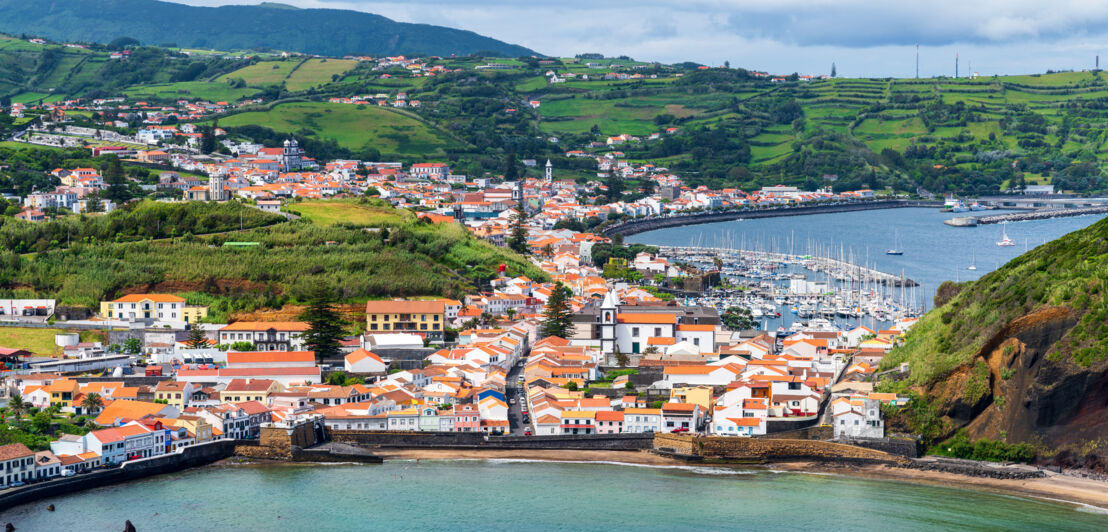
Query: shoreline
(1055, 488)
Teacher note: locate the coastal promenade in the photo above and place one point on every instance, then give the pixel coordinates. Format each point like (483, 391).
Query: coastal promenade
(641, 225)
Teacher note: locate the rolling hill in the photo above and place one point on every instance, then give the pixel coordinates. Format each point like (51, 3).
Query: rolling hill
(330, 32)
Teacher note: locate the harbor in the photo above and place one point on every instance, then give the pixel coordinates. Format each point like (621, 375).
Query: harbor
(802, 290)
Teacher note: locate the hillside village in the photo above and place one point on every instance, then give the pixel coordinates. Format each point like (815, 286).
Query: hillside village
(632, 359)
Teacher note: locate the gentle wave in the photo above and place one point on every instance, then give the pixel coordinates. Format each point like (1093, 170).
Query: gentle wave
(702, 470)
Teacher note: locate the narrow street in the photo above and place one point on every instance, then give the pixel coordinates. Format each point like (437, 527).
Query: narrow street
(512, 391)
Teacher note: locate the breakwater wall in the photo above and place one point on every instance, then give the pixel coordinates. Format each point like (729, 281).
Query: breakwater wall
(1040, 215)
(479, 440)
(187, 457)
(631, 227)
(725, 448)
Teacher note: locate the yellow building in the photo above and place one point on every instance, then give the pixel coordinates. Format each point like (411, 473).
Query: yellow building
(698, 395)
(424, 318)
(62, 392)
(164, 307)
(200, 429)
(174, 393)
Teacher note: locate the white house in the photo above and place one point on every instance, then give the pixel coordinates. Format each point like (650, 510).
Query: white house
(362, 361)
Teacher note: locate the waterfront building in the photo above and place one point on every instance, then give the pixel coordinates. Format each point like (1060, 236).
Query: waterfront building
(637, 420)
(17, 464)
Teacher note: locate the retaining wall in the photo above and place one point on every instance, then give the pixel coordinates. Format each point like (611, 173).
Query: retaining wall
(471, 440)
(192, 456)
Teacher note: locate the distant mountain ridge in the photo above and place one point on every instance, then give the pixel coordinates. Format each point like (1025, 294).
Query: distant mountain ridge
(331, 32)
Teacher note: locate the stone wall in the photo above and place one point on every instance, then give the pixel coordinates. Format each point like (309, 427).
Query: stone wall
(192, 456)
(817, 432)
(732, 448)
(905, 447)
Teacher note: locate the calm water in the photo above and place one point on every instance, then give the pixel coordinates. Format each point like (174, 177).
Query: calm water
(933, 252)
(503, 495)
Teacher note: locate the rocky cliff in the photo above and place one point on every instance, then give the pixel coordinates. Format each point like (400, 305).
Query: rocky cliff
(1020, 355)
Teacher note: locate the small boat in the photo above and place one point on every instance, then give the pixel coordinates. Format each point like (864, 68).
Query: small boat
(1004, 240)
(973, 263)
(895, 250)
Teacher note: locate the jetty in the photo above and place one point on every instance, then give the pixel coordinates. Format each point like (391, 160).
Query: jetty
(1040, 215)
(650, 223)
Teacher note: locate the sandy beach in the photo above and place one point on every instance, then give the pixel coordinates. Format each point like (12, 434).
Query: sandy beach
(1055, 487)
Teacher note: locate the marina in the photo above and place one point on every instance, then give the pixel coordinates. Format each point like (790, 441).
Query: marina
(932, 252)
(812, 290)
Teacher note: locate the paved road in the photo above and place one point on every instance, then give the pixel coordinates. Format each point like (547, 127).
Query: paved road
(515, 412)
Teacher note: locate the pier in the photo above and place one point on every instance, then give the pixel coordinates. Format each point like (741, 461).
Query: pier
(1041, 215)
(650, 223)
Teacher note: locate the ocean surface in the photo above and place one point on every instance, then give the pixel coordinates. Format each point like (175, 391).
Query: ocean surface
(933, 251)
(522, 495)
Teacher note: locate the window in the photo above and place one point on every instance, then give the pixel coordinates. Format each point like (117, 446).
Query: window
(657, 331)
(634, 331)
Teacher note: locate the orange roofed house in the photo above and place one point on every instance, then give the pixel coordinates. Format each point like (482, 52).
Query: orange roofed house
(424, 318)
(160, 307)
(266, 335)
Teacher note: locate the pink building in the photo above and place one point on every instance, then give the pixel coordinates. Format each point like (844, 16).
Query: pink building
(609, 422)
(467, 419)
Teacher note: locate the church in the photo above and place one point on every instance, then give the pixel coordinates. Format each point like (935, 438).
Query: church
(292, 157)
(632, 329)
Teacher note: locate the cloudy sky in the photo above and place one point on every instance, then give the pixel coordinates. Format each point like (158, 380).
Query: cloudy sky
(862, 37)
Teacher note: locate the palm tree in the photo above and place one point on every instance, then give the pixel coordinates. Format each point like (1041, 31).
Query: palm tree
(17, 406)
(510, 313)
(92, 403)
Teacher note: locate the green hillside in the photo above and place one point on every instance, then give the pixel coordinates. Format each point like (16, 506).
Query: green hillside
(406, 257)
(353, 127)
(330, 32)
(1020, 355)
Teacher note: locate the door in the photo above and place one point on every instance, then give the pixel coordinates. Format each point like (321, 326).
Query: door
(635, 347)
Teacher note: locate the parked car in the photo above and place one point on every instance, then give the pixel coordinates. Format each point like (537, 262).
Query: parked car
(526, 433)
(680, 429)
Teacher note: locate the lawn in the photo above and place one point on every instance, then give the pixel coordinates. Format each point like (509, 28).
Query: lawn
(190, 90)
(330, 212)
(352, 126)
(41, 341)
(262, 73)
(318, 72)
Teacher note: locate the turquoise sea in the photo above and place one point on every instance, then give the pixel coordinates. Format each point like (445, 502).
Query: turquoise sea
(523, 495)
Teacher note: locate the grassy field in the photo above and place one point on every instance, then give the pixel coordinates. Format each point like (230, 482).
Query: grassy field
(614, 117)
(352, 126)
(191, 90)
(41, 341)
(262, 73)
(330, 212)
(317, 72)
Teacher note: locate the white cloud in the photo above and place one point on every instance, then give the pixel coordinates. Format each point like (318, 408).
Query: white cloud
(864, 37)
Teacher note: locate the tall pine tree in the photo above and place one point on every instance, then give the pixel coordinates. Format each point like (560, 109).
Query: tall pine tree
(196, 338)
(518, 238)
(557, 315)
(325, 325)
(118, 190)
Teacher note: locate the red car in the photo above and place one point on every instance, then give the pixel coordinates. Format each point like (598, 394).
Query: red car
(680, 429)
(526, 433)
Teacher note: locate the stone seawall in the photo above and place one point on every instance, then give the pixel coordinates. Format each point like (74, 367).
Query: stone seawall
(758, 449)
(188, 457)
(642, 225)
(477, 440)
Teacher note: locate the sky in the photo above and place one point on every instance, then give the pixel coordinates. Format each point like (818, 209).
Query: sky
(863, 38)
